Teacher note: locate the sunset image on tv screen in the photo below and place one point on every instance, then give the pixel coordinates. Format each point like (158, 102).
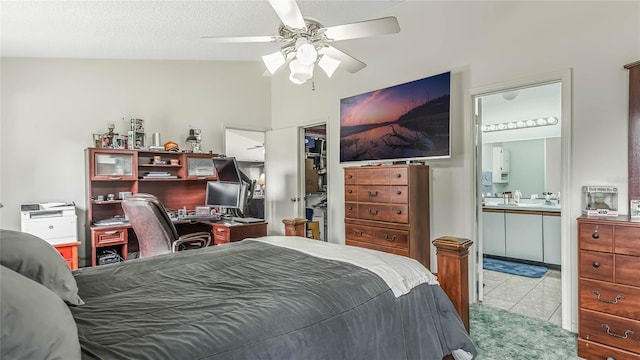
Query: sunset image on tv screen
(401, 122)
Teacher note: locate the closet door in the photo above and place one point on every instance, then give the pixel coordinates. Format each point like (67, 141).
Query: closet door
(284, 182)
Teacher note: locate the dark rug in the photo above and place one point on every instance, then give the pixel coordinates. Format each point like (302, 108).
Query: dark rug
(502, 335)
(514, 268)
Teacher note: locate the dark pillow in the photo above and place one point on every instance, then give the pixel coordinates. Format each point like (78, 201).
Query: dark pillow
(36, 259)
(36, 324)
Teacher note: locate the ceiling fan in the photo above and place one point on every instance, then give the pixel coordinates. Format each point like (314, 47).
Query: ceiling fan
(307, 42)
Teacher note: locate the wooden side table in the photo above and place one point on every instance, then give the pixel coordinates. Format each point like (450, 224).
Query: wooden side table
(224, 233)
(69, 252)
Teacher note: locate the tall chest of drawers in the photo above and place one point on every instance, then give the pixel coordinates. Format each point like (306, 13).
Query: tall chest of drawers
(387, 209)
(609, 288)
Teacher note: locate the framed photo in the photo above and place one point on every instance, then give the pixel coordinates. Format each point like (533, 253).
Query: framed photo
(634, 209)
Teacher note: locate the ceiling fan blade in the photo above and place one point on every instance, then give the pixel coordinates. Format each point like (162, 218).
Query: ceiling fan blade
(347, 62)
(385, 25)
(289, 13)
(240, 39)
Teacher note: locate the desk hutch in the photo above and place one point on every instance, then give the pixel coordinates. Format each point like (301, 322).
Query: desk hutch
(119, 172)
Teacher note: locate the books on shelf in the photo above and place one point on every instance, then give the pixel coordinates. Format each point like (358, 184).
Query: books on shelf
(158, 175)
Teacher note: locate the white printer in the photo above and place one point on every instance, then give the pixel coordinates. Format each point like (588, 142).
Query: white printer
(55, 222)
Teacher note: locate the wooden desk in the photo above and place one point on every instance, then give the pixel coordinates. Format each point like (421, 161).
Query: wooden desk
(224, 232)
(69, 251)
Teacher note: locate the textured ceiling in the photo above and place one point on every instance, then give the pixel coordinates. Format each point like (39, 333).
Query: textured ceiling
(156, 29)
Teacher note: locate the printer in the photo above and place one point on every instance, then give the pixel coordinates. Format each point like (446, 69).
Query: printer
(55, 222)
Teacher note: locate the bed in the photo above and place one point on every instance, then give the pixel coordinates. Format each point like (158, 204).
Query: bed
(266, 298)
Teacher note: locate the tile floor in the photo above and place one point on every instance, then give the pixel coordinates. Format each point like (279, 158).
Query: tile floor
(534, 297)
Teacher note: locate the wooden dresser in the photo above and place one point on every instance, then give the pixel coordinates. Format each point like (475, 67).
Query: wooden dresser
(609, 288)
(387, 209)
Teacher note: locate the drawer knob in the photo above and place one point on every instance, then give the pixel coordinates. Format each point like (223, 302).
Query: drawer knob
(349, 176)
(375, 193)
(596, 264)
(358, 233)
(398, 212)
(398, 176)
(350, 191)
(614, 301)
(398, 192)
(350, 208)
(389, 238)
(626, 333)
(595, 235)
(373, 212)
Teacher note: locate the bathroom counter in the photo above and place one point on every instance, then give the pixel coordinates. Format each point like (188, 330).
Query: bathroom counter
(523, 207)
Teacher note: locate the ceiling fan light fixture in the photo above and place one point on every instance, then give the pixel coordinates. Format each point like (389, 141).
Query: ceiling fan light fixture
(328, 64)
(305, 52)
(300, 72)
(274, 61)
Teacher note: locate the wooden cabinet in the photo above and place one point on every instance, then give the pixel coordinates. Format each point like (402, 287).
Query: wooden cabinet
(224, 233)
(493, 236)
(387, 209)
(609, 288)
(69, 252)
(177, 179)
(523, 235)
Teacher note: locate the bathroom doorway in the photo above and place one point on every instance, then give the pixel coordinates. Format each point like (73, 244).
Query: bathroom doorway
(522, 133)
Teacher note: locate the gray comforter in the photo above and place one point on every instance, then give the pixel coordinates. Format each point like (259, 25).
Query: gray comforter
(251, 300)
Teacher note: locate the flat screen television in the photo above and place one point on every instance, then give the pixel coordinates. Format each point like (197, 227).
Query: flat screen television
(223, 194)
(409, 121)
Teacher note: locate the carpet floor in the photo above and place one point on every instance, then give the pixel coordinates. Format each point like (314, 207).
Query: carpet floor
(499, 334)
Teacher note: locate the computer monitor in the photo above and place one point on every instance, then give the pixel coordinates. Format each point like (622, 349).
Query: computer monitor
(223, 194)
(227, 169)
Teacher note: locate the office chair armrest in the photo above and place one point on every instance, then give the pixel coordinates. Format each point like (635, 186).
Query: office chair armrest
(204, 238)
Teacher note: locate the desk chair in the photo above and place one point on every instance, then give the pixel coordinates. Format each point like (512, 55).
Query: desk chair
(155, 232)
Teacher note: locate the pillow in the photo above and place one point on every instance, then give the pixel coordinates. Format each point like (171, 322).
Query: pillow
(36, 324)
(36, 259)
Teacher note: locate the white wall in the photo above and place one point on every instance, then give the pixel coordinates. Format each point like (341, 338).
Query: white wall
(50, 108)
(485, 43)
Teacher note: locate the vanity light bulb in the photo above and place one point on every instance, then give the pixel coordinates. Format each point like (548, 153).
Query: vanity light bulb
(520, 124)
(531, 123)
(483, 128)
(502, 126)
(511, 125)
(492, 127)
(541, 122)
(552, 120)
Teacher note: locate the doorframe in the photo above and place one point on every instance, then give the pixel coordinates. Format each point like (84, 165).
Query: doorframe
(568, 273)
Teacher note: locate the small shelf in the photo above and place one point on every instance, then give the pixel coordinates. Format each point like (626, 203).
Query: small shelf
(160, 179)
(160, 165)
(106, 202)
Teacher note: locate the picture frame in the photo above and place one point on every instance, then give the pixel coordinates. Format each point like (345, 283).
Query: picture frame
(634, 209)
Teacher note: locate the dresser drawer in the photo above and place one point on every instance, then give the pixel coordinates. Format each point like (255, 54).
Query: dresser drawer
(610, 298)
(397, 213)
(350, 176)
(359, 233)
(596, 237)
(594, 351)
(65, 251)
(610, 330)
(350, 193)
(387, 249)
(627, 240)
(596, 265)
(399, 176)
(391, 237)
(351, 210)
(110, 237)
(383, 194)
(627, 270)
